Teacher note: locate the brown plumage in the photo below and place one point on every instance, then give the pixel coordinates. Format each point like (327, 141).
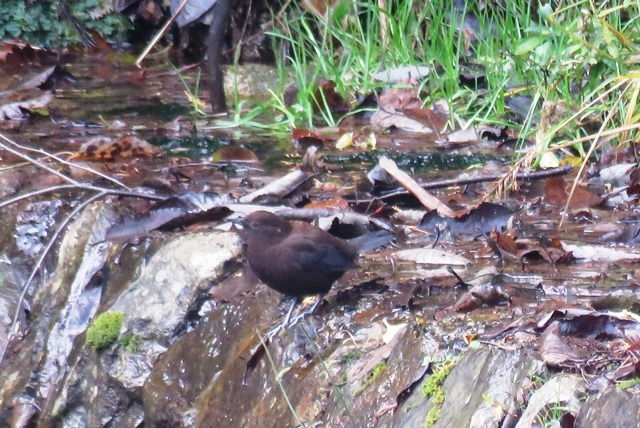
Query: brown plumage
(294, 257)
(299, 259)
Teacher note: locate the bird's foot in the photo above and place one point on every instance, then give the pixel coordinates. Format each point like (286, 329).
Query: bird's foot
(289, 321)
(306, 312)
(274, 331)
(283, 324)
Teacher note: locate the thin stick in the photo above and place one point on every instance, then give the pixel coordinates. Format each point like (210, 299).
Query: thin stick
(521, 176)
(37, 266)
(82, 167)
(278, 378)
(59, 159)
(34, 161)
(79, 187)
(163, 30)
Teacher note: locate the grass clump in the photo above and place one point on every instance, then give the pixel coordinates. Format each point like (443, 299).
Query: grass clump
(104, 330)
(567, 53)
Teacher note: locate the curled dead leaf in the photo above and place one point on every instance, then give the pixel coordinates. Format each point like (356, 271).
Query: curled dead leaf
(109, 149)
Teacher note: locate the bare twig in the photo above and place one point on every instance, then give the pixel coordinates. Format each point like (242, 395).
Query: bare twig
(163, 30)
(487, 178)
(38, 264)
(278, 378)
(18, 150)
(33, 160)
(80, 186)
(82, 167)
(55, 157)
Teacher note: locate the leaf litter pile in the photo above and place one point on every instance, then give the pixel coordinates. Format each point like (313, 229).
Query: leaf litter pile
(549, 261)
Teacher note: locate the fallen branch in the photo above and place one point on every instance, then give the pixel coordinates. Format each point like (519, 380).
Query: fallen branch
(523, 176)
(425, 198)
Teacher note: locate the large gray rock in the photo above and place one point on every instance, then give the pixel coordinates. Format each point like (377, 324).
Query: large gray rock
(613, 408)
(480, 380)
(100, 387)
(175, 281)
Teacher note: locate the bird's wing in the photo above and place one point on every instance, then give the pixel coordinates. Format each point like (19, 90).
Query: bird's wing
(312, 256)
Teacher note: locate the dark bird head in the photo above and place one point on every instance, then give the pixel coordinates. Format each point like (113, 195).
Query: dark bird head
(265, 226)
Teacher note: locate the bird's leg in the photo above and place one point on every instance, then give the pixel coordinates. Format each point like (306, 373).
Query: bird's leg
(313, 307)
(284, 323)
(287, 317)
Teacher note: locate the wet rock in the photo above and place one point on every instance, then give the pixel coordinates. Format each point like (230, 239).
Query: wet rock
(175, 281)
(156, 307)
(10, 290)
(90, 397)
(75, 385)
(480, 375)
(215, 375)
(562, 393)
(214, 356)
(34, 224)
(613, 408)
(252, 80)
(60, 311)
(82, 254)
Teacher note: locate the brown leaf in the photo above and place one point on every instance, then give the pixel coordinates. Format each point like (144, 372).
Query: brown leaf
(554, 191)
(401, 108)
(333, 203)
(555, 351)
(427, 117)
(304, 138)
(506, 242)
(480, 295)
(16, 111)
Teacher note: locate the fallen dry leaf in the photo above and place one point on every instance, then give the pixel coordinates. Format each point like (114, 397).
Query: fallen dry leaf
(109, 149)
(16, 111)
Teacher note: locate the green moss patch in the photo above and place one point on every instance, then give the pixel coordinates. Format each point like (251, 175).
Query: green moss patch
(432, 388)
(105, 330)
(131, 342)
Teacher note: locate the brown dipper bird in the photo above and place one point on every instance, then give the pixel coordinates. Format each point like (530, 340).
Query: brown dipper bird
(299, 259)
